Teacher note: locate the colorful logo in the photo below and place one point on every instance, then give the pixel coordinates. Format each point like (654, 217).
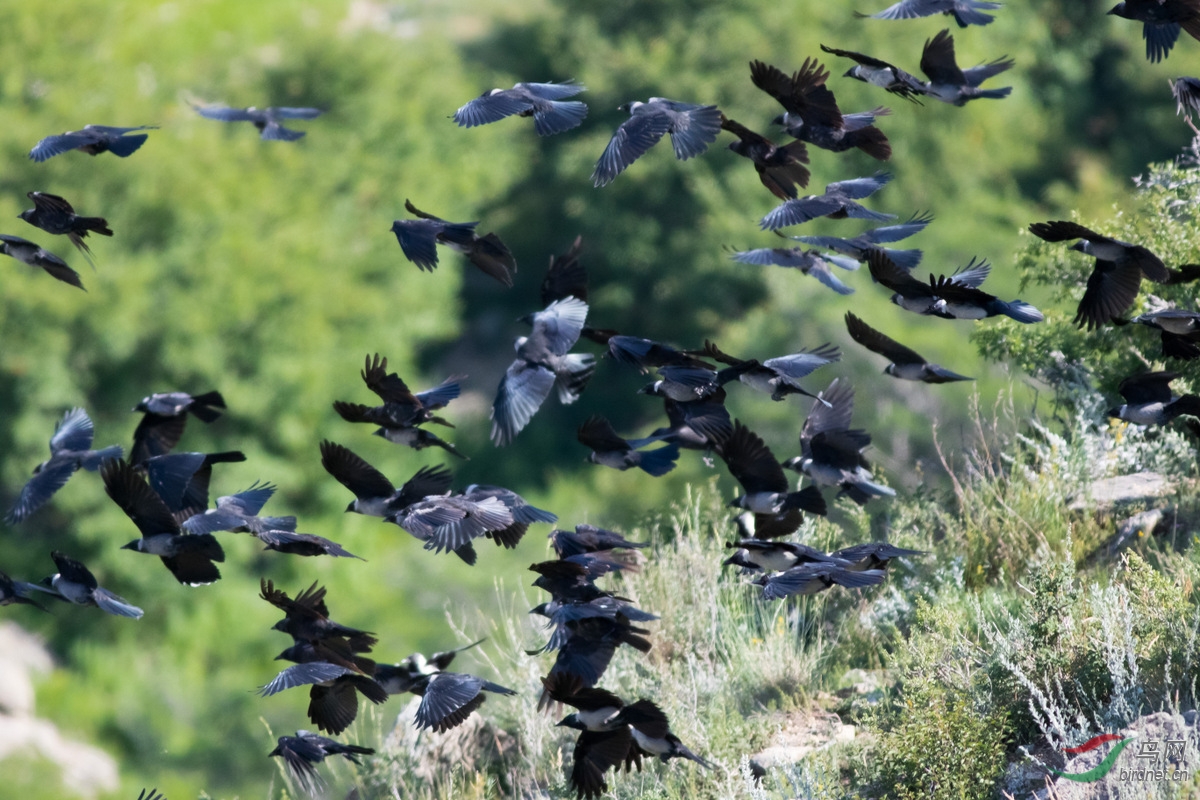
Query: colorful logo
(1100, 770)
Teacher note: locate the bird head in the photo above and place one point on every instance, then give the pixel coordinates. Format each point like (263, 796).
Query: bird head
(738, 559)
(132, 545)
(540, 609)
(144, 405)
(1119, 10)
(890, 369)
(571, 721)
(26, 215)
(350, 508)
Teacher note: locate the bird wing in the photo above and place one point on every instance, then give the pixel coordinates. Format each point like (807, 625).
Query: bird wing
(43, 201)
(629, 142)
(390, 387)
(597, 433)
(693, 127)
(135, 497)
(799, 211)
(885, 271)
(894, 233)
(831, 411)
(248, 502)
(566, 277)
(1149, 387)
(418, 241)
(449, 699)
(40, 488)
(292, 112)
(797, 365)
(979, 74)
(1063, 231)
(107, 601)
(907, 9)
(155, 435)
(559, 324)
(1111, 289)
(427, 481)
(552, 91)
(227, 114)
(751, 462)
(353, 472)
(74, 432)
(171, 475)
(877, 342)
(938, 62)
(858, 188)
(972, 275)
(60, 143)
(865, 60)
(520, 394)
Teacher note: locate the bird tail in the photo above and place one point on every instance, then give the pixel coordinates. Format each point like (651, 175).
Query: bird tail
(576, 371)
(561, 116)
(969, 16)
(125, 146)
(95, 225)
(93, 461)
(871, 141)
(863, 490)
(426, 439)
(205, 406)
(659, 462)
(807, 499)
(993, 94)
(1018, 310)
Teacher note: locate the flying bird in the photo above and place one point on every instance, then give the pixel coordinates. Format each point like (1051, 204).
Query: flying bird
(831, 453)
(182, 479)
(1179, 329)
(807, 579)
(452, 522)
(543, 364)
(29, 253)
(965, 12)
(1161, 22)
(189, 557)
(776, 509)
(859, 246)
(692, 127)
(882, 74)
(956, 86)
(811, 113)
(1148, 400)
(93, 140)
(872, 555)
(780, 167)
(418, 239)
(523, 514)
(164, 416)
(610, 450)
(1117, 275)
(779, 376)
(906, 364)
(17, 592)
(302, 752)
(546, 102)
(374, 494)
(954, 297)
(55, 215)
(267, 120)
(807, 262)
(838, 202)
(75, 583)
(70, 450)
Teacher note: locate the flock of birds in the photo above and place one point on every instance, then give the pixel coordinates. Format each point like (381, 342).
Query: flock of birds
(166, 494)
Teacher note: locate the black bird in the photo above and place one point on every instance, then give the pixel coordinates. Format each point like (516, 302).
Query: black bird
(838, 202)
(645, 354)
(306, 620)
(589, 539)
(55, 215)
(182, 479)
(882, 74)
(403, 411)
(776, 509)
(93, 140)
(1161, 21)
(590, 644)
(697, 425)
(1117, 275)
(772, 555)
(265, 119)
(17, 592)
(807, 262)
(543, 364)
(75, 583)
(523, 514)
(831, 453)
(1148, 400)
(546, 102)
(418, 239)
(70, 450)
(813, 578)
(1180, 331)
(859, 246)
(954, 297)
(29, 253)
(779, 167)
(374, 494)
(189, 557)
(812, 114)
(965, 12)
(164, 416)
(779, 376)
(1186, 92)
(239, 512)
(333, 692)
(692, 127)
(956, 86)
(872, 555)
(453, 522)
(302, 752)
(447, 698)
(906, 364)
(610, 450)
